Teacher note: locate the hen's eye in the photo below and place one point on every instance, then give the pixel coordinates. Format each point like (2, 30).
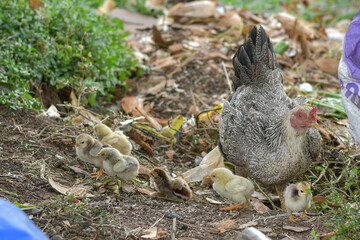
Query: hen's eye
(300, 115)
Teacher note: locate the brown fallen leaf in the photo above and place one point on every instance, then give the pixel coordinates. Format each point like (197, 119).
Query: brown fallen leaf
(36, 4)
(137, 137)
(227, 225)
(213, 55)
(152, 85)
(77, 191)
(79, 170)
(296, 229)
(259, 207)
(230, 19)
(158, 39)
(165, 63)
(321, 199)
(197, 9)
(175, 48)
(144, 191)
(213, 201)
(248, 224)
(324, 236)
(153, 233)
(329, 65)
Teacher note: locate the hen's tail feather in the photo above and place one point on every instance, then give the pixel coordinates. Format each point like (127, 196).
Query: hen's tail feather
(254, 58)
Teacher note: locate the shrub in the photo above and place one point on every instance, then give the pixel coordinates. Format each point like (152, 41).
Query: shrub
(65, 44)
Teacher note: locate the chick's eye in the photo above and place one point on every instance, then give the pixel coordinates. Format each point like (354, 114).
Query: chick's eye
(82, 142)
(301, 191)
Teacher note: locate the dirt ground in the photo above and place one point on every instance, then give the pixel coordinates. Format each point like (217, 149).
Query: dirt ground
(35, 148)
(31, 153)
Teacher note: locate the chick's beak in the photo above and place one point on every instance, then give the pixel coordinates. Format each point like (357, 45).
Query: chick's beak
(77, 145)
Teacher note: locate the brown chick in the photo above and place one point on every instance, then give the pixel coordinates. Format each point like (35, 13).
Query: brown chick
(116, 164)
(168, 188)
(297, 198)
(116, 139)
(86, 149)
(233, 187)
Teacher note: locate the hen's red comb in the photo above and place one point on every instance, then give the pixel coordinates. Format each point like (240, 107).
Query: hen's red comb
(313, 112)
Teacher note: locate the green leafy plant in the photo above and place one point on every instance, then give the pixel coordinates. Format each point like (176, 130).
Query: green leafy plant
(65, 44)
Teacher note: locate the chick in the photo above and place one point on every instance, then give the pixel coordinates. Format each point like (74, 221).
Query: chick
(116, 139)
(297, 198)
(173, 189)
(233, 187)
(86, 149)
(116, 164)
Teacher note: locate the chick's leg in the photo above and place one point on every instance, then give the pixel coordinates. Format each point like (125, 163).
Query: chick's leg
(292, 219)
(280, 191)
(233, 207)
(98, 174)
(303, 215)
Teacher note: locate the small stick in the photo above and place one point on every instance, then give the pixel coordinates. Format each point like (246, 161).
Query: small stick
(173, 229)
(227, 77)
(267, 197)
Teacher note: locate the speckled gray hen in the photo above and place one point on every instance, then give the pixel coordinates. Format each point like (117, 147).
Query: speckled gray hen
(265, 133)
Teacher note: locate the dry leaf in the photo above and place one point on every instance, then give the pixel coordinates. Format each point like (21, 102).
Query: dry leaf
(213, 55)
(154, 4)
(175, 48)
(150, 233)
(67, 223)
(259, 207)
(249, 224)
(153, 85)
(212, 160)
(77, 191)
(324, 236)
(129, 103)
(170, 154)
(296, 229)
(138, 138)
(36, 4)
(107, 6)
(231, 19)
(227, 225)
(165, 63)
(79, 170)
(158, 39)
(132, 20)
(144, 191)
(213, 201)
(329, 65)
(197, 9)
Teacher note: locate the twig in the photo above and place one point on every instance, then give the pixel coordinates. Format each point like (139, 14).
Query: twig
(267, 197)
(227, 77)
(178, 68)
(57, 134)
(157, 221)
(269, 217)
(173, 229)
(80, 108)
(79, 113)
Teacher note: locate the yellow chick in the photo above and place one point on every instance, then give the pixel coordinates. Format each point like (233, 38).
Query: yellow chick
(297, 198)
(116, 164)
(233, 187)
(116, 139)
(168, 188)
(86, 149)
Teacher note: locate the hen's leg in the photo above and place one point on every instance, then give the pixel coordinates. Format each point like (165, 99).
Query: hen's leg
(280, 191)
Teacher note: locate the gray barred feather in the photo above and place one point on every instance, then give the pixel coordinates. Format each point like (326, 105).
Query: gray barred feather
(254, 124)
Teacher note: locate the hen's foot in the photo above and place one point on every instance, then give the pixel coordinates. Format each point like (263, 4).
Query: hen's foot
(234, 207)
(98, 174)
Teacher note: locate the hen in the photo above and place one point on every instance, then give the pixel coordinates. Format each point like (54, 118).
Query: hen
(267, 135)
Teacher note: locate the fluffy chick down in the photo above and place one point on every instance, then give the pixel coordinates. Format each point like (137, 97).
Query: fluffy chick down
(87, 148)
(116, 164)
(297, 198)
(116, 139)
(168, 188)
(236, 188)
